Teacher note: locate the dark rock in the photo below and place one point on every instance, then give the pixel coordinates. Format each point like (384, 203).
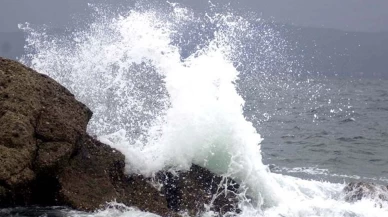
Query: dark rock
(3, 195)
(92, 179)
(52, 156)
(137, 191)
(47, 158)
(190, 191)
(37, 117)
(358, 190)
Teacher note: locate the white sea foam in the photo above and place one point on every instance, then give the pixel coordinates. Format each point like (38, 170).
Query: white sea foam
(164, 111)
(315, 171)
(113, 209)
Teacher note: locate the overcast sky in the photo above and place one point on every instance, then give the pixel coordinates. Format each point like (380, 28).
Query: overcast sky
(353, 15)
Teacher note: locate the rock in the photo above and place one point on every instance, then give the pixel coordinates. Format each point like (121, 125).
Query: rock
(137, 191)
(41, 125)
(3, 195)
(93, 179)
(47, 158)
(190, 191)
(359, 190)
(51, 156)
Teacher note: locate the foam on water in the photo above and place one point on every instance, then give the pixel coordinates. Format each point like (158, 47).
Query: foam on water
(166, 111)
(113, 209)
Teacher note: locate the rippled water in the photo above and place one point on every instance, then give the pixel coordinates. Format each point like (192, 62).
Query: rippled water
(339, 134)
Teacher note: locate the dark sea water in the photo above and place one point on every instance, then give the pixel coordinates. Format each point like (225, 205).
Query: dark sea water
(333, 129)
(35, 212)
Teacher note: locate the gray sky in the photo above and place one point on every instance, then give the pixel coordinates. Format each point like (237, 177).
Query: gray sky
(354, 15)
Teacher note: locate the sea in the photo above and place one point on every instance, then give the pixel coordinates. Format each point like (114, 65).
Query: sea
(170, 87)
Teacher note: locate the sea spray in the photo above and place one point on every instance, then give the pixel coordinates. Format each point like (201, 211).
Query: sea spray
(165, 107)
(197, 118)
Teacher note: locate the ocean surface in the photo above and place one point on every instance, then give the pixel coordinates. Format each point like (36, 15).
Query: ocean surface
(339, 136)
(169, 87)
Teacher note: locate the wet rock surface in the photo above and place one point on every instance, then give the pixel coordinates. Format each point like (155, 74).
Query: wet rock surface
(356, 191)
(47, 158)
(36, 114)
(198, 190)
